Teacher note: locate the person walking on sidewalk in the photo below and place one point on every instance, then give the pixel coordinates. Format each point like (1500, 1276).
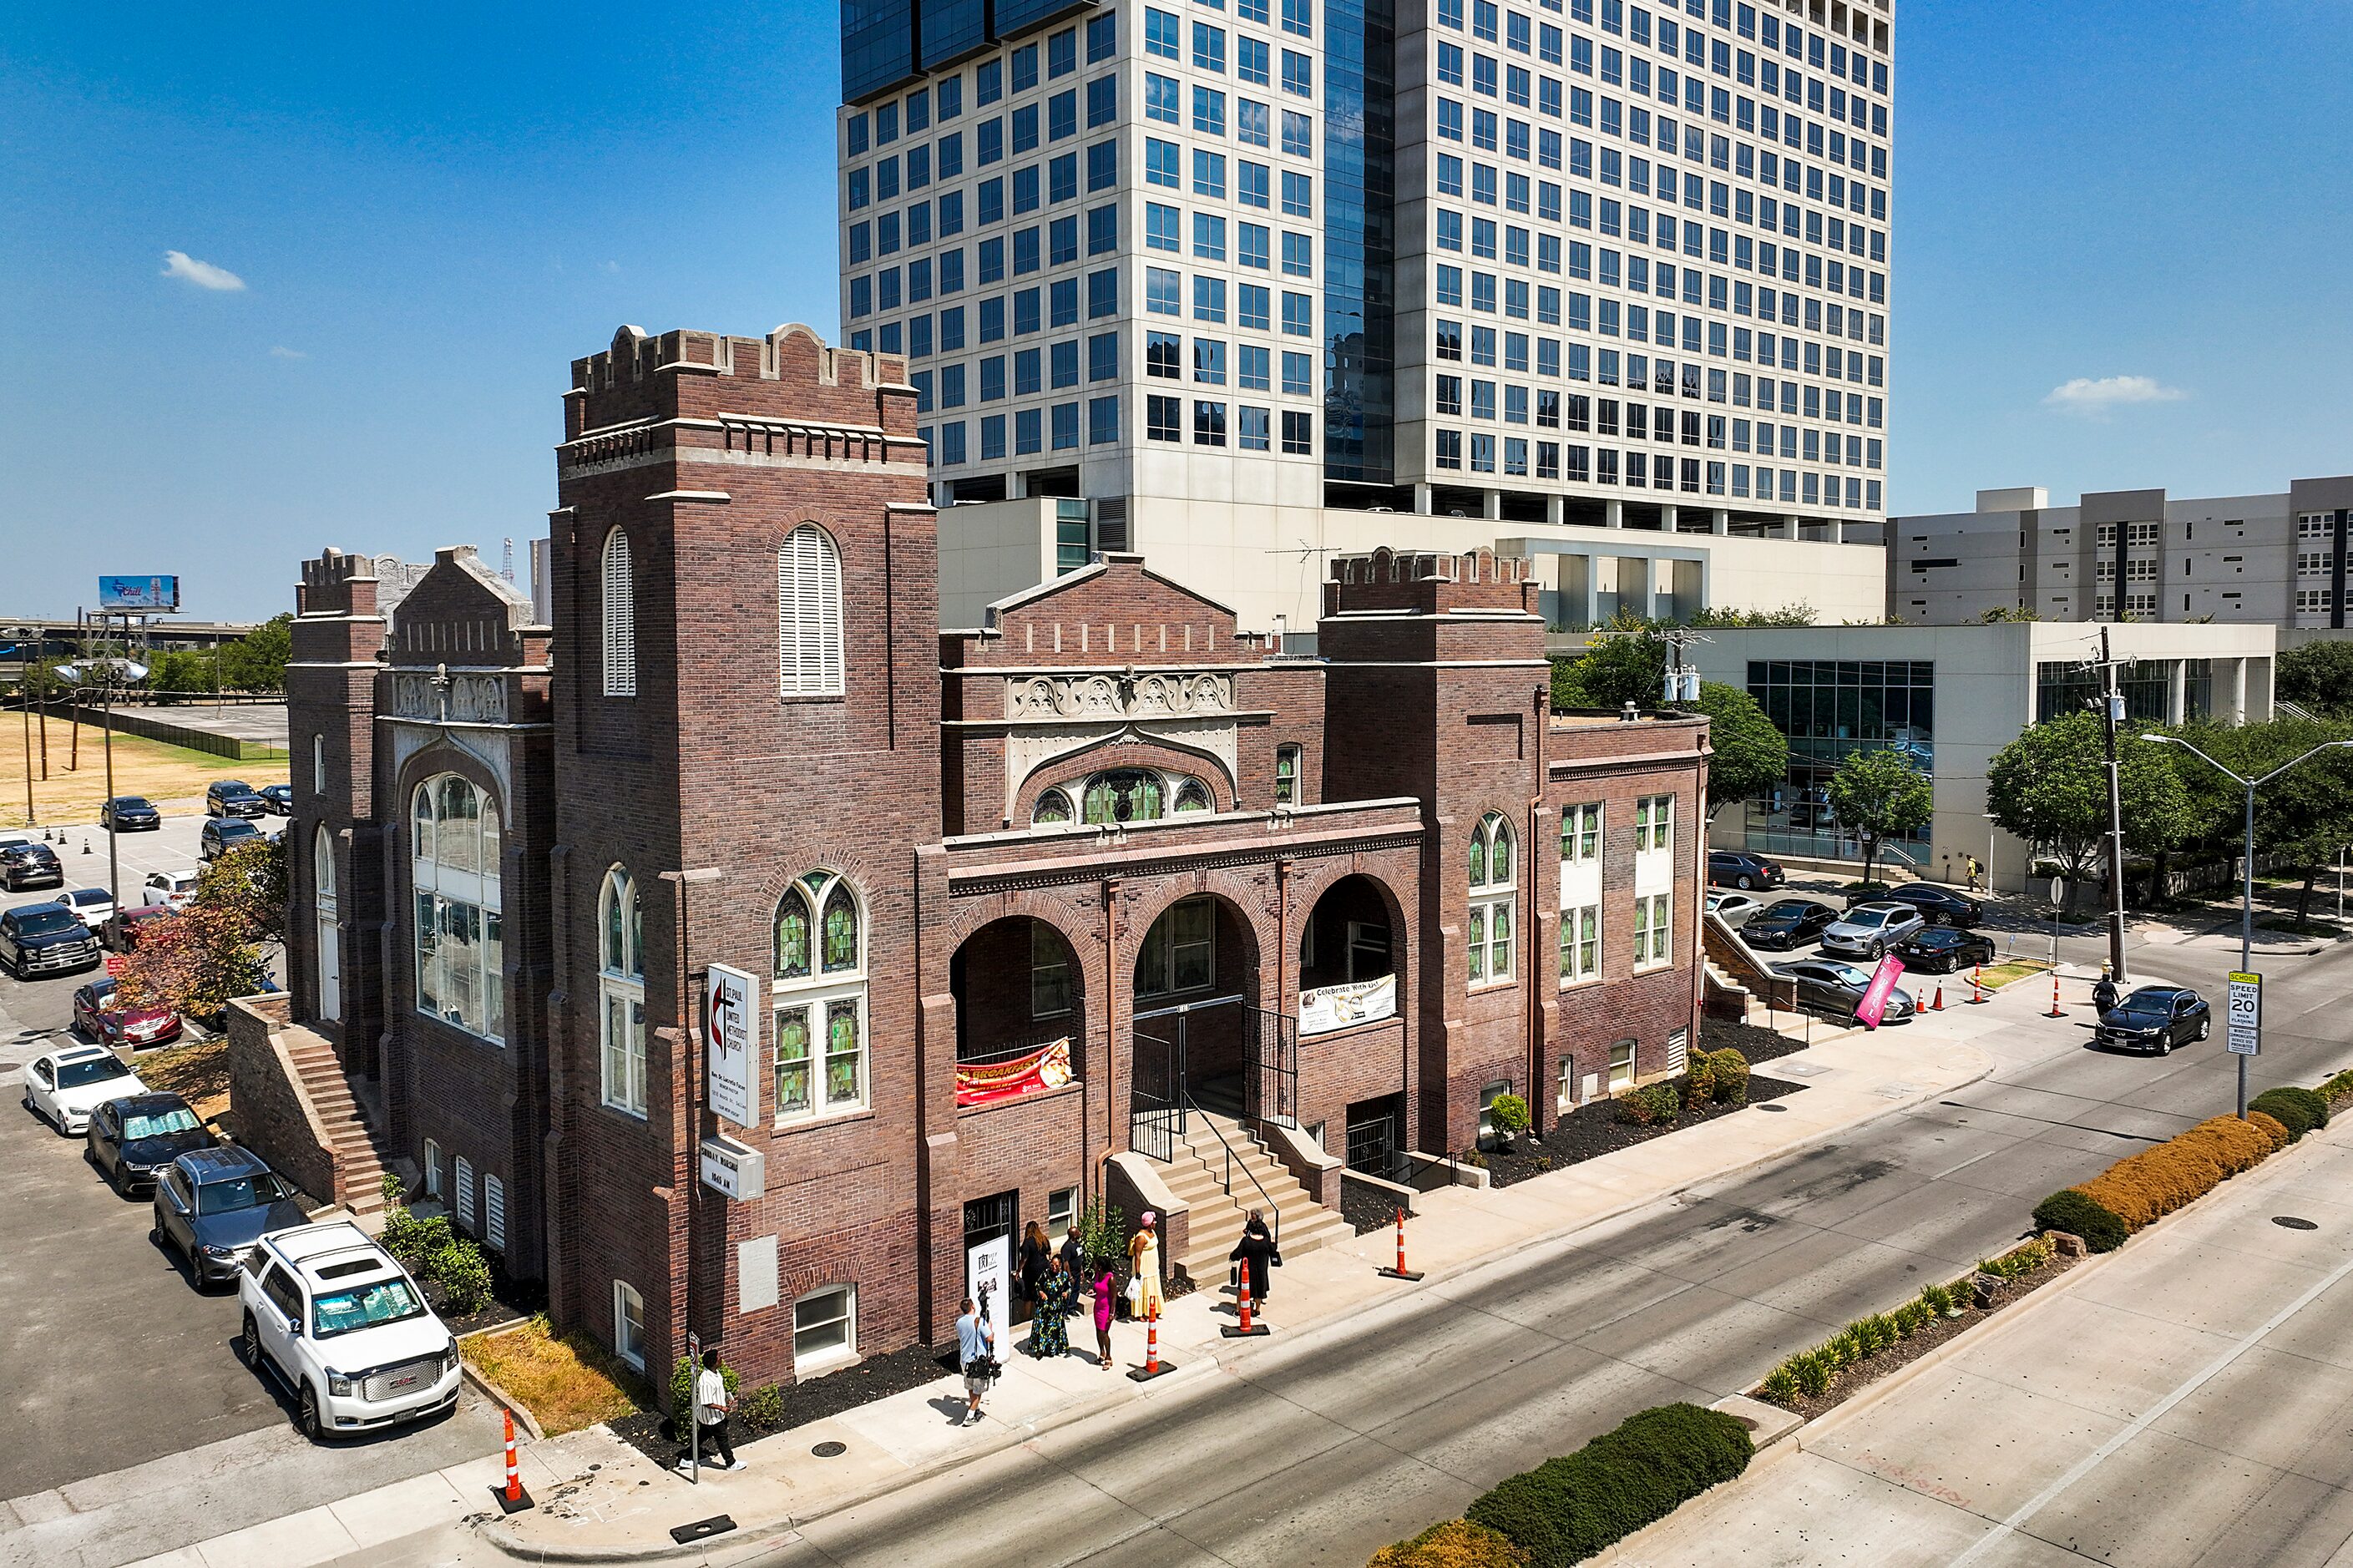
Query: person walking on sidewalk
(1049, 1326)
(711, 1404)
(1143, 1294)
(2104, 995)
(1106, 1287)
(977, 1355)
(1254, 1252)
(1074, 1260)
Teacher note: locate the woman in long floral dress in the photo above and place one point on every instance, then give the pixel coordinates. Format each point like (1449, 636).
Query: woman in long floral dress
(1050, 1330)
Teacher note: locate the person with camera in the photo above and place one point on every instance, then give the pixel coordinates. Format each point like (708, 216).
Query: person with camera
(976, 1352)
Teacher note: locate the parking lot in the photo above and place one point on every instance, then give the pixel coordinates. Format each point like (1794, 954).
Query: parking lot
(116, 1364)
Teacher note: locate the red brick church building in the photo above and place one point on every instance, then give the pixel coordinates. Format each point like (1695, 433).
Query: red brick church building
(977, 925)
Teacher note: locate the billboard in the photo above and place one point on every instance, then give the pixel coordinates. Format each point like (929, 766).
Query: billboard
(138, 593)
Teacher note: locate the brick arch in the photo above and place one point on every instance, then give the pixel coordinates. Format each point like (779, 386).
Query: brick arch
(866, 882)
(1308, 890)
(1235, 888)
(438, 757)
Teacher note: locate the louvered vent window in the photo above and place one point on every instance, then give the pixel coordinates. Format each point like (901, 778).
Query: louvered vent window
(620, 619)
(808, 615)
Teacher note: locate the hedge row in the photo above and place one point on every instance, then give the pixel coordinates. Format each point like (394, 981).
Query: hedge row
(2300, 1110)
(2140, 1189)
(1567, 1509)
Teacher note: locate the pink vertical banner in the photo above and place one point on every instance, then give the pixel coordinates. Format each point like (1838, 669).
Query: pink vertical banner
(1873, 1006)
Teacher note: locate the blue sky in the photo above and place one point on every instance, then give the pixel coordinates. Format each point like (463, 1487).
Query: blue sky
(432, 210)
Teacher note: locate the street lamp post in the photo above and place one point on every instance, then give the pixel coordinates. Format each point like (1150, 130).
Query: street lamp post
(2247, 857)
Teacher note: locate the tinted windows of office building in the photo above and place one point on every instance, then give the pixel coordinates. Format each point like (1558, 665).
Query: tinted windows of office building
(1830, 709)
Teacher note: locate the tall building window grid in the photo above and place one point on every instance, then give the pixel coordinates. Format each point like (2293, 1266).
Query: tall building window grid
(1723, 118)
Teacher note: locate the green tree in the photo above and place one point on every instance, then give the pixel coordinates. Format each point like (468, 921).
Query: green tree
(256, 662)
(2318, 676)
(179, 671)
(2050, 787)
(1628, 665)
(1751, 755)
(1877, 795)
(2304, 814)
(195, 960)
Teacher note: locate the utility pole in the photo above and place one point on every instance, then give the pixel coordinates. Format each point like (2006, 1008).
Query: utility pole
(2112, 712)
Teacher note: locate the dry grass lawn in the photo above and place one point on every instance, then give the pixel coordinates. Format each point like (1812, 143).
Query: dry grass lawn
(566, 1384)
(1998, 975)
(162, 773)
(196, 1072)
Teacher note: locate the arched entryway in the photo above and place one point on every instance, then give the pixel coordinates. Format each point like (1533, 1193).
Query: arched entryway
(1347, 958)
(1200, 1029)
(1021, 1010)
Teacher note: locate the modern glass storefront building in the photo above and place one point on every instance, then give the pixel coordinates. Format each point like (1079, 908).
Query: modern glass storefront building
(1830, 709)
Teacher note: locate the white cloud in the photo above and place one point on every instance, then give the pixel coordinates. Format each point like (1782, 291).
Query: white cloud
(281, 351)
(2085, 395)
(203, 274)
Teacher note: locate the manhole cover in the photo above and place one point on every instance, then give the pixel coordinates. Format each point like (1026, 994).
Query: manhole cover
(2291, 1222)
(831, 1450)
(1774, 1108)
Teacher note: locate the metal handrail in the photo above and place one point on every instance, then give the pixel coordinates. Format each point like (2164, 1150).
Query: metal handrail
(1186, 1097)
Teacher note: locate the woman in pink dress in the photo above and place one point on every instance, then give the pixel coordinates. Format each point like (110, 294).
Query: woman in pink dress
(1105, 1292)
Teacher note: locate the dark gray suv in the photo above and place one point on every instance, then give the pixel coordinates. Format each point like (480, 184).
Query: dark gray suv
(213, 1204)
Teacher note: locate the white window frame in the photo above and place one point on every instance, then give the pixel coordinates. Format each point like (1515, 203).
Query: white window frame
(443, 892)
(329, 958)
(432, 1169)
(628, 1324)
(1493, 904)
(1654, 822)
(1581, 828)
(1581, 945)
(1061, 1207)
(1288, 760)
(847, 1351)
(817, 992)
(1622, 1075)
(318, 765)
(622, 994)
(1654, 932)
(620, 609)
(1564, 1099)
(810, 662)
(1164, 982)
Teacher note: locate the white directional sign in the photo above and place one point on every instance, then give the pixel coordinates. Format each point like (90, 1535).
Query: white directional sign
(2246, 1023)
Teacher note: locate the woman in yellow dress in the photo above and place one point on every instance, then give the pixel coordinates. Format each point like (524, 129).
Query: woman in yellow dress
(1144, 1260)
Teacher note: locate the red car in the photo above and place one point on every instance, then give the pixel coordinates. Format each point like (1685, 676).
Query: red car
(120, 931)
(95, 1015)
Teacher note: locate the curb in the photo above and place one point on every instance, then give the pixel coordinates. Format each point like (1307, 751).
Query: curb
(1200, 1363)
(501, 1397)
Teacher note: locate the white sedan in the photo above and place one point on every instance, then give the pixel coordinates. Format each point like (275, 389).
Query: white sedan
(67, 1084)
(93, 906)
(1733, 908)
(172, 889)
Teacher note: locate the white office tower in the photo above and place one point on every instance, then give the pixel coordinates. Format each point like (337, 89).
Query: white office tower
(1243, 282)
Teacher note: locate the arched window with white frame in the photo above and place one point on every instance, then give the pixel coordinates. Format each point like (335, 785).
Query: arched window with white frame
(620, 612)
(459, 935)
(1494, 882)
(621, 988)
(819, 999)
(808, 615)
(330, 938)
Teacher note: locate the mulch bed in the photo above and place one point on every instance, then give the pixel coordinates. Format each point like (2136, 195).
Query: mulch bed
(1596, 1128)
(1366, 1208)
(1854, 1380)
(1758, 1045)
(511, 1300)
(876, 1377)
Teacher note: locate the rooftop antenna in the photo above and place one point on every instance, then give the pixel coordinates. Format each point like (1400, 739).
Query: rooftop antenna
(506, 567)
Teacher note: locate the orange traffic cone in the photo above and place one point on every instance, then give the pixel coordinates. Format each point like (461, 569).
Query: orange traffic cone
(2056, 1010)
(1152, 1366)
(511, 1498)
(1938, 1005)
(1400, 1271)
(1250, 1328)
(1977, 985)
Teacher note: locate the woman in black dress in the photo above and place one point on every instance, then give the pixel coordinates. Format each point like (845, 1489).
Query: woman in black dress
(1029, 1266)
(1254, 1252)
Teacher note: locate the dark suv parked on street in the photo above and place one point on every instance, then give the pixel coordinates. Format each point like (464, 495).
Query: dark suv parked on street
(32, 865)
(233, 797)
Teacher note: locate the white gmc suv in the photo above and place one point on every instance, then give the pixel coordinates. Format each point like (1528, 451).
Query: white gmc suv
(346, 1329)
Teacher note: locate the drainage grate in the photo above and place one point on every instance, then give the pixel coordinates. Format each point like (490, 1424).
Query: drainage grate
(2291, 1222)
(831, 1450)
(1774, 1108)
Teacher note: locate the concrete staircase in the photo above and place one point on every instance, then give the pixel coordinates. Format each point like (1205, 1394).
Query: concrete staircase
(361, 1158)
(1197, 1175)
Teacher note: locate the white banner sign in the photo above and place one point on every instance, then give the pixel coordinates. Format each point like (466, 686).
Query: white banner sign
(1332, 1008)
(987, 1270)
(731, 1043)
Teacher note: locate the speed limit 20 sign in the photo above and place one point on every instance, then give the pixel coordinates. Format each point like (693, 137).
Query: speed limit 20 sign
(2246, 1020)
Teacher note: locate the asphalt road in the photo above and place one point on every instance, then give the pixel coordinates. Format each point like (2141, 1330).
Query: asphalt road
(114, 1362)
(1326, 1447)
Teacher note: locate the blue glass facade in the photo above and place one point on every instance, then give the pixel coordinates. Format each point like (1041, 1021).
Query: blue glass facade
(887, 43)
(877, 45)
(1359, 239)
(952, 29)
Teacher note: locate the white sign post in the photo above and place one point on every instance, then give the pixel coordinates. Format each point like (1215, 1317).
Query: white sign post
(731, 1027)
(987, 1270)
(2246, 1013)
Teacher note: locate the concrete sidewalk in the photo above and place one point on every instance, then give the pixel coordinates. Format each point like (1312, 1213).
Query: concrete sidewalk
(600, 1500)
(2186, 1400)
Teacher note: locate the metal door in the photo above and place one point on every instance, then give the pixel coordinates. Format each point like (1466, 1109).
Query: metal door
(1155, 1095)
(1269, 1066)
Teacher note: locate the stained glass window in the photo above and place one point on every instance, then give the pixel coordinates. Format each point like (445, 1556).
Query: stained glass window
(792, 1061)
(793, 936)
(1052, 806)
(840, 932)
(824, 989)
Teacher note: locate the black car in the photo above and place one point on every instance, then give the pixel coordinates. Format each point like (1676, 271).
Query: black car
(1937, 906)
(1833, 988)
(1787, 923)
(2154, 1019)
(44, 938)
(25, 865)
(224, 833)
(1941, 949)
(1738, 868)
(130, 813)
(132, 1137)
(233, 797)
(213, 1204)
(278, 798)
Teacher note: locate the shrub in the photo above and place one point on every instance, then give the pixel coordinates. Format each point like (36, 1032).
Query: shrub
(1911, 1318)
(2022, 1260)
(1509, 1113)
(415, 1242)
(1698, 1079)
(2338, 1088)
(681, 1387)
(2141, 1188)
(1731, 1073)
(2300, 1110)
(1813, 1371)
(763, 1408)
(1649, 1105)
(1938, 1299)
(1567, 1509)
(464, 1276)
(2076, 1212)
(1455, 1543)
(1780, 1386)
